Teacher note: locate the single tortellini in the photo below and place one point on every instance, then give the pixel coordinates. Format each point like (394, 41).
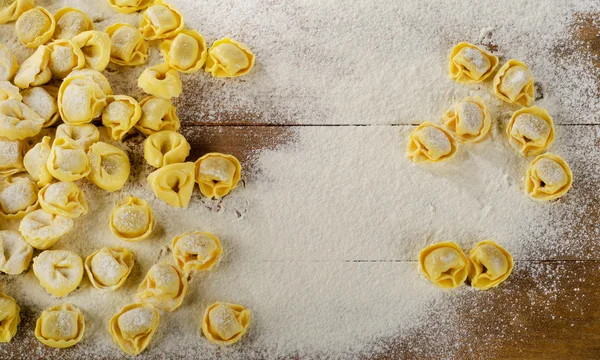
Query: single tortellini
(80, 100)
(196, 251)
(161, 20)
(120, 115)
(132, 219)
(9, 91)
(430, 143)
(469, 119)
(229, 58)
(173, 183)
(67, 161)
(225, 323)
(8, 64)
(489, 265)
(164, 287)
(129, 48)
(9, 317)
(444, 264)
(42, 100)
(18, 196)
(158, 114)
(34, 70)
(95, 46)
(63, 198)
(10, 10)
(514, 84)
(35, 27)
(132, 327)
(161, 80)
(65, 56)
(548, 177)
(108, 268)
(470, 63)
(42, 230)
(84, 135)
(18, 121)
(70, 22)
(95, 76)
(60, 326)
(530, 130)
(217, 174)
(129, 6)
(59, 271)
(11, 157)
(15, 253)
(110, 166)
(185, 52)
(35, 162)
(165, 147)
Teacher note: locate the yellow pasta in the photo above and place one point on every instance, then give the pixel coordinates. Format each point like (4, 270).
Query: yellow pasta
(95, 76)
(185, 52)
(229, 58)
(129, 48)
(217, 174)
(84, 135)
(110, 166)
(11, 157)
(10, 10)
(158, 114)
(470, 63)
(67, 161)
(34, 70)
(444, 264)
(35, 160)
(514, 84)
(489, 265)
(63, 198)
(161, 80)
(65, 56)
(196, 251)
(164, 287)
(60, 326)
(165, 147)
(9, 91)
(9, 317)
(161, 20)
(15, 253)
(80, 100)
(430, 143)
(548, 177)
(18, 197)
(8, 64)
(530, 130)
(120, 115)
(469, 119)
(132, 219)
(42, 100)
(129, 6)
(18, 121)
(95, 46)
(70, 22)
(225, 323)
(35, 27)
(59, 271)
(132, 327)
(108, 268)
(42, 230)
(173, 183)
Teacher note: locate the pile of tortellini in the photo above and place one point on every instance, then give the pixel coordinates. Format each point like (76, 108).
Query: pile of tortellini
(63, 80)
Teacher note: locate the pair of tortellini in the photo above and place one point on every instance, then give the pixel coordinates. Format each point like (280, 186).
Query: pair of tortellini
(18, 196)
(82, 96)
(60, 326)
(59, 271)
(35, 27)
(164, 287)
(42, 230)
(132, 328)
(225, 323)
(430, 142)
(11, 157)
(18, 121)
(132, 219)
(10, 317)
(196, 251)
(108, 268)
(548, 177)
(15, 252)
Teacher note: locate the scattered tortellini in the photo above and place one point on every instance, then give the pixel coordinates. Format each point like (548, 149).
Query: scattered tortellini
(65, 56)
(161, 80)
(109, 165)
(129, 48)
(489, 265)
(161, 20)
(173, 183)
(15, 253)
(530, 130)
(157, 114)
(67, 161)
(60, 326)
(548, 177)
(132, 219)
(430, 143)
(63, 198)
(129, 6)
(108, 268)
(35, 162)
(18, 121)
(42, 100)
(225, 323)
(10, 10)
(35, 27)
(9, 317)
(42, 230)
(217, 174)
(444, 264)
(84, 135)
(514, 83)
(470, 63)
(120, 115)
(165, 147)
(81, 97)
(95, 46)
(70, 22)
(132, 327)
(9, 91)
(469, 119)
(59, 271)
(8, 64)
(34, 70)
(18, 196)
(229, 58)
(196, 251)
(11, 157)
(164, 287)
(185, 52)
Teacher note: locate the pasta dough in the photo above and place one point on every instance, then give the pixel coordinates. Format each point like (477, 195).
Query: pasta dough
(229, 58)
(129, 6)
(96, 77)
(444, 264)
(95, 46)
(65, 56)
(161, 80)
(469, 120)
(164, 287)
(108, 268)
(530, 130)
(157, 114)
(60, 326)
(18, 197)
(15, 253)
(35, 27)
(196, 251)
(70, 22)
(8, 64)
(120, 115)
(35, 162)
(132, 327)
(548, 177)
(11, 157)
(173, 183)
(129, 48)
(80, 100)
(430, 143)
(514, 84)
(67, 161)
(9, 317)
(83, 136)
(185, 52)
(42, 230)
(132, 219)
(489, 265)
(42, 100)
(165, 147)
(10, 10)
(63, 198)
(161, 20)
(34, 70)
(110, 166)
(9, 91)
(217, 174)
(225, 323)
(470, 63)
(18, 121)
(59, 271)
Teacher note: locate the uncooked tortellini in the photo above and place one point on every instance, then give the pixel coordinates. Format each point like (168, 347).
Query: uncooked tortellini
(42, 100)
(164, 287)
(18, 196)
(59, 271)
(548, 177)
(18, 121)
(9, 91)
(35, 27)
(67, 161)
(186, 52)
(469, 119)
(513, 83)
(120, 115)
(108, 268)
(34, 70)
(42, 230)
(161, 20)
(10, 10)
(229, 58)
(9, 317)
(444, 264)
(157, 114)
(489, 265)
(173, 183)
(128, 45)
(80, 99)
(95, 46)
(11, 156)
(132, 219)
(129, 6)
(132, 327)
(60, 326)
(165, 147)
(95, 76)
(530, 130)
(217, 174)
(8, 64)
(15, 253)
(65, 56)
(161, 80)
(430, 143)
(70, 22)
(84, 135)
(63, 198)
(35, 162)
(225, 323)
(196, 251)
(109, 166)
(469, 63)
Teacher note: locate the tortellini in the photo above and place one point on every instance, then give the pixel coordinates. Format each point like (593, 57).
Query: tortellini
(225, 323)
(548, 177)
(196, 251)
(67, 161)
(81, 98)
(15, 253)
(42, 230)
(9, 317)
(63, 198)
(9, 91)
(60, 326)
(530, 130)
(161, 20)
(132, 219)
(108, 268)
(35, 27)
(42, 100)
(132, 327)
(70, 22)
(164, 287)
(173, 183)
(165, 147)
(8, 64)
(35, 162)
(18, 121)
(469, 120)
(489, 265)
(109, 165)
(430, 143)
(217, 174)
(469, 63)
(84, 135)
(95, 76)
(11, 157)
(229, 58)
(10, 10)
(65, 56)
(161, 80)
(59, 271)
(157, 114)
(514, 84)
(95, 46)
(18, 196)
(444, 264)
(120, 115)
(186, 52)
(129, 6)
(129, 48)
(34, 70)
